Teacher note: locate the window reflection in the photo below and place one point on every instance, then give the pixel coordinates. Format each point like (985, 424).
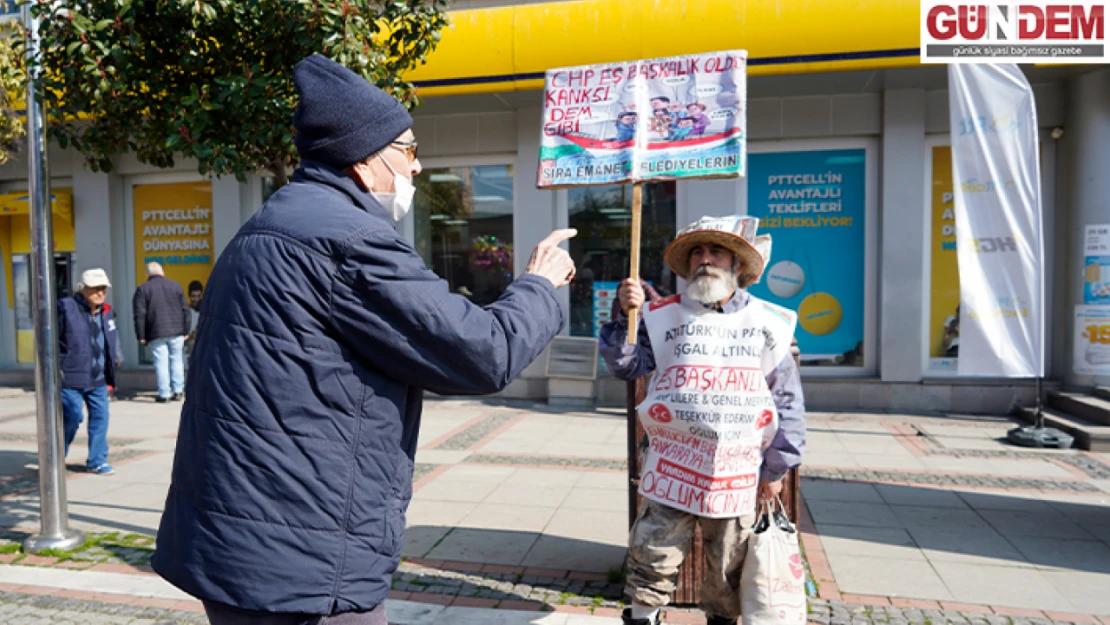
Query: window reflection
(603, 217)
(464, 228)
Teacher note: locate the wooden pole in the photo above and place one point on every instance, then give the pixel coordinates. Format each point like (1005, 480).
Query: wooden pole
(634, 259)
(633, 331)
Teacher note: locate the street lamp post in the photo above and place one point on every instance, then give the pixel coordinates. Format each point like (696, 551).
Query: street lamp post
(56, 533)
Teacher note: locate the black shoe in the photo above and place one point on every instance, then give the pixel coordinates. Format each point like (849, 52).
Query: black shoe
(626, 618)
(176, 397)
(719, 620)
(161, 400)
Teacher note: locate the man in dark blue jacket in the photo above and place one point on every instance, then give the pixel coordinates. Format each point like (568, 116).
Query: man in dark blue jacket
(321, 328)
(88, 353)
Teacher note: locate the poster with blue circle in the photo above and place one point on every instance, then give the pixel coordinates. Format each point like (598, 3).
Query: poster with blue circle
(813, 204)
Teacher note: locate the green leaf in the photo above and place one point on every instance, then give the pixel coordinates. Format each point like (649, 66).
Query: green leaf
(207, 78)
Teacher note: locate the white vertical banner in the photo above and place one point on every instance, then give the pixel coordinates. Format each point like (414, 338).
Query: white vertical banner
(999, 237)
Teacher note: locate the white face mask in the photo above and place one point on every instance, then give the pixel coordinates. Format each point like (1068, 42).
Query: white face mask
(399, 201)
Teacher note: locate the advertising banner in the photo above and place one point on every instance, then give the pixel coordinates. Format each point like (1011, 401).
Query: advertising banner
(999, 239)
(658, 119)
(1092, 340)
(813, 204)
(944, 299)
(1096, 263)
(604, 294)
(173, 226)
(24, 322)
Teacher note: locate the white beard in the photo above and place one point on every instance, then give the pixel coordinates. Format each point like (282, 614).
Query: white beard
(710, 285)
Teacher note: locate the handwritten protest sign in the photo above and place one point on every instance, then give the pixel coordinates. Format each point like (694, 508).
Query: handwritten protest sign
(658, 119)
(707, 410)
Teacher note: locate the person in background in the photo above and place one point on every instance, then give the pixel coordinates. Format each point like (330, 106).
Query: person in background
(196, 293)
(119, 354)
(89, 356)
(162, 320)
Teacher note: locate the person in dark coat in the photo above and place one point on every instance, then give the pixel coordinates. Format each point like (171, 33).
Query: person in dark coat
(162, 319)
(88, 353)
(196, 294)
(320, 330)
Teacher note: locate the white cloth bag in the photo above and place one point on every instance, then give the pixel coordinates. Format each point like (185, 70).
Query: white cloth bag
(773, 579)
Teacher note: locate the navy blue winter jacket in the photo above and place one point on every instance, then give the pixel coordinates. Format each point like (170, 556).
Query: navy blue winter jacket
(75, 342)
(319, 331)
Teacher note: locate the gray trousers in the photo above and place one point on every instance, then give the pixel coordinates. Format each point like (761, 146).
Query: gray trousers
(219, 614)
(658, 543)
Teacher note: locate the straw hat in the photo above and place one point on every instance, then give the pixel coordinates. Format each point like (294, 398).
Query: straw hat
(735, 233)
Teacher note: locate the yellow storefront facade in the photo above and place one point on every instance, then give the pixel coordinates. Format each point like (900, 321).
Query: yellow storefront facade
(834, 85)
(15, 241)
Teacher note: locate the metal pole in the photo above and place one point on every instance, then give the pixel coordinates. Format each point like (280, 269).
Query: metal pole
(1039, 422)
(56, 533)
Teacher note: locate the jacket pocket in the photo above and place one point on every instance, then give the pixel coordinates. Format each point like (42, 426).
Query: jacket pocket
(65, 363)
(393, 539)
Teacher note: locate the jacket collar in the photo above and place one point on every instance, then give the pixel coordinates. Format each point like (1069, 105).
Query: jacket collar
(313, 171)
(738, 301)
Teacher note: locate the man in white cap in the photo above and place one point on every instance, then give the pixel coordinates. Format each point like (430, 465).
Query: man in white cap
(723, 413)
(89, 356)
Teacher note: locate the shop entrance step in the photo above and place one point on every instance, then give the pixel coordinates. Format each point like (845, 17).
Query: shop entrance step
(1089, 407)
(1088, 435)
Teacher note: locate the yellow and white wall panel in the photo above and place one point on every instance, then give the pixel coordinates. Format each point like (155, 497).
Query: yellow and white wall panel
(509, 48)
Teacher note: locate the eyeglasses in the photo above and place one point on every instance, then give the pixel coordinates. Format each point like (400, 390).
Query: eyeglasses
(409, 148)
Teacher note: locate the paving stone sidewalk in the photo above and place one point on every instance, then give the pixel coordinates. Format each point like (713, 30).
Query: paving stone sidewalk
(24, 609)
(544, 590)
(522, 506)
(841, 613)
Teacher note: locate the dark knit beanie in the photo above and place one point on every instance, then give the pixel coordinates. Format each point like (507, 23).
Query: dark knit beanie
(341, 118)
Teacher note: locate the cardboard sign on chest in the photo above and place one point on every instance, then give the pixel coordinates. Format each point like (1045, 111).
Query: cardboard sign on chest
(697, 336)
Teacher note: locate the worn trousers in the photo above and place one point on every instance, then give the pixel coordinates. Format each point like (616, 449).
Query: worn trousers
(220, 614)
(660, 541)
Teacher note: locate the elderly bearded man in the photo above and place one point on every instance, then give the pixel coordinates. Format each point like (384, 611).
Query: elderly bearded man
(724, 413)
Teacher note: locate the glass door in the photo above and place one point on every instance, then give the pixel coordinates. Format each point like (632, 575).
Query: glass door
(64, 285)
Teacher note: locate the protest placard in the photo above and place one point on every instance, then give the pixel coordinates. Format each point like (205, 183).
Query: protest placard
(658, 119)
